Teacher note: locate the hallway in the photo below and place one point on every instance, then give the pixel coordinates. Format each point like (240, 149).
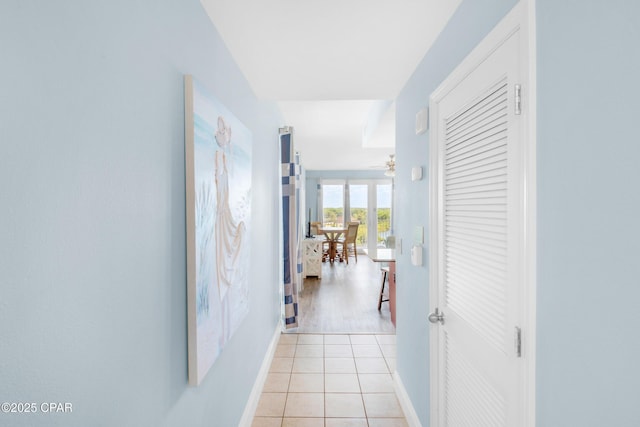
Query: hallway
(336, 368)
(332, 380)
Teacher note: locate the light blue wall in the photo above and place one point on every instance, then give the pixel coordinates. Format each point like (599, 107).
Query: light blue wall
(588, 212)
(588, 203)
(92, 218)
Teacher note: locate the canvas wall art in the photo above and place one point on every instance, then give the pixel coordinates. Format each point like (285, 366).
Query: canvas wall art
(218, 150)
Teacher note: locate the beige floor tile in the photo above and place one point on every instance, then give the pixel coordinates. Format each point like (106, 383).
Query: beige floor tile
(376, 383)
(342, 365)
(388, 422)
(388, 350)
(281, 364)
(303, 422)
(306, 383)
(304, 405)
(366, 350)
(346, 422)
(308, 365)
(363, 339)
(391, 363)
(370, 365)
(336, 339)
(271, 405)
(339, 350)
(277, 383)
(309, 350)
(382, 405)
(341, 383)
(344, 405)
(285, 350)
(310, 339)
(386, 339)
(324, 375)
(266, 422)
(288, 339)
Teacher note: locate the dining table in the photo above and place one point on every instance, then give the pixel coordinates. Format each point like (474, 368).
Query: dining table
(333, 234)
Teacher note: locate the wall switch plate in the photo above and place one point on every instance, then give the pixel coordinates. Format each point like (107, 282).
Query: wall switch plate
(416, 255)
(418, 235)
(416, 173)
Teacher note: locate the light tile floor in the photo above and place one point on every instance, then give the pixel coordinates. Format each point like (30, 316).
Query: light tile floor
(331, 380)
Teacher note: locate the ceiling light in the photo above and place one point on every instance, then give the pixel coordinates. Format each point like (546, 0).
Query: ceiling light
(391, 166)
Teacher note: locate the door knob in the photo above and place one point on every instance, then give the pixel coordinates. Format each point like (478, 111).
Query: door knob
(436, 317)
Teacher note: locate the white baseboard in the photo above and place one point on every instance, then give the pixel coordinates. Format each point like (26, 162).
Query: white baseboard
(405, 402)
(256, 392)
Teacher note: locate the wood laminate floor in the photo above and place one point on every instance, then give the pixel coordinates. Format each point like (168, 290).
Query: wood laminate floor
(344, 300)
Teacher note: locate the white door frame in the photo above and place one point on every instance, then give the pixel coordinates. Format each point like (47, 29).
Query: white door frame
(522, 17)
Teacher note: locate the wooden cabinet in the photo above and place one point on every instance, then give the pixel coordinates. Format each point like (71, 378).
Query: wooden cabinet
(312, 258)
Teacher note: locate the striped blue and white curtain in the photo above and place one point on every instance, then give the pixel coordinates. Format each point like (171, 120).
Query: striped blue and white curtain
(291, 227)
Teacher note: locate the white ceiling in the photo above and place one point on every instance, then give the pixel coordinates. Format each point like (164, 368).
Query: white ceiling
(329, 64)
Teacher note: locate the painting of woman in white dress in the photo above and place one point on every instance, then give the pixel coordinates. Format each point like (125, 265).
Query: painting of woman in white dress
(229, 234)
(221, 208)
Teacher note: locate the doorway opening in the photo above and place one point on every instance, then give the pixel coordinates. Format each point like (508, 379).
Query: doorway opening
(345, 297)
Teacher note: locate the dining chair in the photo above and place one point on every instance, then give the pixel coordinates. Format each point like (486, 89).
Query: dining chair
(315, 228)
(315, 231)
(349, 242)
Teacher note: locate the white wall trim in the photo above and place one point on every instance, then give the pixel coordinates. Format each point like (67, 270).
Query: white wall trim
(530, 226)
(435, 239)
(258, 385)
(405, 402)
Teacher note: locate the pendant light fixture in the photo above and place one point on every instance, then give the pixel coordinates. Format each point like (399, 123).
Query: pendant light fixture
(391, 166)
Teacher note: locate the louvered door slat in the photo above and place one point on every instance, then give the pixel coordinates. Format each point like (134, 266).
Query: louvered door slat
(477, 153)
(495, 95)
(477, 221)
(473, 178)
(476, 201)
(481, 232)
(478, 276)
(488, 118)
(470, 194)
(469, 266)
(491, 245)
(476, 189)
(484, 112)
(479, 256)
(472, 143)
(486, 129)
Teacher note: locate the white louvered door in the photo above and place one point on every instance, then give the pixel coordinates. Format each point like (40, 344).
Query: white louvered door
(478, 229)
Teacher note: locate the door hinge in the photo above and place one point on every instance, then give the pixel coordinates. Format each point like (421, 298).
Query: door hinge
(518, 99)
(518, 342)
